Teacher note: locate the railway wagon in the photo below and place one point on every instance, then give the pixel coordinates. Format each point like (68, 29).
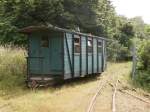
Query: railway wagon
(58, 54)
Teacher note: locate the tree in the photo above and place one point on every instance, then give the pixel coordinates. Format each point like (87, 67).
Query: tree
(147, 31)
(139, 27)
(92, 16)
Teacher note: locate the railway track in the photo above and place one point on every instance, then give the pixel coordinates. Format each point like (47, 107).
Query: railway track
(93, 101)
(115, 89)
(114, 97)
(98, 93)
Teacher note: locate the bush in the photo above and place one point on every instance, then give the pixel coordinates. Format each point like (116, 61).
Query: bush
(142, 79)
(143, 66)
(9, 34)
(144, 56)
(117, 52)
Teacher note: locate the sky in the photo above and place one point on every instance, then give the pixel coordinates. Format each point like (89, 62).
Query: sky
(132, 8)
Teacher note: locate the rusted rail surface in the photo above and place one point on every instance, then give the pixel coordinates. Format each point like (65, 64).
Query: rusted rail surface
(117, 87)
(92, 102)
(100, 88)
(137, 97)
(114, 97)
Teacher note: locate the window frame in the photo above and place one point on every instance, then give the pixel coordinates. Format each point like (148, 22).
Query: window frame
(90, 47)
(100, 46)
(77, 44)
(44, 42)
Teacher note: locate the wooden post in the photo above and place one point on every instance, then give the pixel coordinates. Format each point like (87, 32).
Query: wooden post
(134, 59)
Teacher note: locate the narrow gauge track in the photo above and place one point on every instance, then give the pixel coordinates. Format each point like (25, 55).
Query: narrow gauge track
(98, 92)
(115, 89)
(93, 101)
(114, 97)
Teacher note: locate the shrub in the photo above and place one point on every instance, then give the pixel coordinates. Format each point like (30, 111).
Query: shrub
(143, 66)
(142, 79)
(117, 52)
(144, 56)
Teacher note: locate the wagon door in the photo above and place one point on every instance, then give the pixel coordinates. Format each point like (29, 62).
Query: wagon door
(38, 60)
(45, 54)
(56, 54)
(34, 58)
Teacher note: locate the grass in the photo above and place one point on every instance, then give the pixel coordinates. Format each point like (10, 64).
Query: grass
(15, 97)
(75, 94)
(12, 69)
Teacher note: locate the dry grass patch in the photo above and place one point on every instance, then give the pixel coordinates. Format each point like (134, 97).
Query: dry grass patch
(70, 97)
(12, 69)
(73, 96)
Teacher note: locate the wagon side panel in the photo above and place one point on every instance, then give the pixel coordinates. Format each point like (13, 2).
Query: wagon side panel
(34, 60)
(67, 56)
(95, 55)
(104, 55)
(56, 53)
(83, 55)
(100, 55)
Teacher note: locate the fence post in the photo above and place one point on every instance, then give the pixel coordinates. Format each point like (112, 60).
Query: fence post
(134, 59)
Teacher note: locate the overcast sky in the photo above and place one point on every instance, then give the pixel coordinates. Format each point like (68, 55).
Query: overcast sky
(132, 8)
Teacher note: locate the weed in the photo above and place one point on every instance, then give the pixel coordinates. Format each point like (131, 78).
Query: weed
(12, 69)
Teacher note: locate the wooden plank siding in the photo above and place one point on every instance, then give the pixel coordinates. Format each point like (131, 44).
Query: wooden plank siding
(61, 56)
(84, 63)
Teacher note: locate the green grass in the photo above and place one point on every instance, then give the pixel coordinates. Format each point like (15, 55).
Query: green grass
(75, 94)
(12, 69)
(13, 91)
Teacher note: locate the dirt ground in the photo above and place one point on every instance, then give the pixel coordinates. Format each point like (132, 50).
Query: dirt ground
(75, 96)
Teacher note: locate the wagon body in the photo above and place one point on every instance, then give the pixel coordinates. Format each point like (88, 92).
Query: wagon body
(59, 54)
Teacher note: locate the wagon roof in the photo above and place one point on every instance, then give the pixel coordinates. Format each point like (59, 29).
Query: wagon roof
(30, 29)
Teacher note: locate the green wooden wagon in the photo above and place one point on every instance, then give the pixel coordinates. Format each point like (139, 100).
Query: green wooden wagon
(57, 54)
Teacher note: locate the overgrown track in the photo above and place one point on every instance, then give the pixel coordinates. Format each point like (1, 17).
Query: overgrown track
(115, 89)
(114, 97)
(93, 101)
(98, 92)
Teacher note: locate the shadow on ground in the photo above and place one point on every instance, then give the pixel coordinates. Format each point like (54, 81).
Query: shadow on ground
(76, 81)
(23, 89)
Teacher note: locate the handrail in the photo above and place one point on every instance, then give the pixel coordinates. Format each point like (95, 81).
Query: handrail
(34, 57)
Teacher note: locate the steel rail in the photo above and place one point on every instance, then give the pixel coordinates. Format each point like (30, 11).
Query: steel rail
(92, 102)
(114, 97)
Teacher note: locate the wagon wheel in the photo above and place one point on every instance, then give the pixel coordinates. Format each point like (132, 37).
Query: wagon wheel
(33, 84)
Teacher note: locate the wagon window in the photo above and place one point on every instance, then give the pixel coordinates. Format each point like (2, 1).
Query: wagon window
(90, 44)
(77, 44)
(44, 42)
(99, 46)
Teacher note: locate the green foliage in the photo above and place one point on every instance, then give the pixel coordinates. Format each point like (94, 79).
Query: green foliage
(147, 31)
(94, 17)
(144, 55)
(139, 27)
(117, 52)
(123, 33)
(97, 17)
(9, 34)
(142, 78)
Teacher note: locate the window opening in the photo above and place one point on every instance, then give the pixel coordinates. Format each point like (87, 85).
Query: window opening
(77, 43)
(90, 45)
(99, 46)
(44, 42)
